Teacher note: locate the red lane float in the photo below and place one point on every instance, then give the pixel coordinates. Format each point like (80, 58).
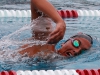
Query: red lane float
(99, 71)
(74, 13)
(8, 73)
(4, 73)
(12, 73)
(68, 13)
(80, 72)
(94, 72)
(62, 13)
(88, 72)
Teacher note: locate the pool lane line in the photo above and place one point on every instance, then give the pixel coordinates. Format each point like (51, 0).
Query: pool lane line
(53, 72)
(62, 13)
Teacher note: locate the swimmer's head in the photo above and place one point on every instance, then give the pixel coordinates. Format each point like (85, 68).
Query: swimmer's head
(75, 44)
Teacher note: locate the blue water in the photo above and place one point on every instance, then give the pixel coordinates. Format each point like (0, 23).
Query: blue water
(8, 27)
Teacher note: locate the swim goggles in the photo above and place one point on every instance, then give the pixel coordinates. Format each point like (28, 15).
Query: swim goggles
(76, 43)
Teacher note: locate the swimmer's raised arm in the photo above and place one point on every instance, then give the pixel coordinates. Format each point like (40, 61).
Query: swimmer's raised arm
(34, 14)
(48, 9)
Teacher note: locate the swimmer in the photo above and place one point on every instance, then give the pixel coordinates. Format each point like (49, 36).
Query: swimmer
(42, 11)
(72, 47)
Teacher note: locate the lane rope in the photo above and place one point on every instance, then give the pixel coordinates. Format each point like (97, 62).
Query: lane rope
(53, 72)
(62, 13)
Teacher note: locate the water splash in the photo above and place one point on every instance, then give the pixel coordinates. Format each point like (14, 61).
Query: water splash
(9, 45)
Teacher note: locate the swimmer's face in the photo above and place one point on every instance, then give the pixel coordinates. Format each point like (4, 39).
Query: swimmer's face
(68, 49)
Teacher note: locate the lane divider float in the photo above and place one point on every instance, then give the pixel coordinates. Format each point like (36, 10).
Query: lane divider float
(88, 72)
(53, 72)
(8, 73)
(68, 13)
(62, 13)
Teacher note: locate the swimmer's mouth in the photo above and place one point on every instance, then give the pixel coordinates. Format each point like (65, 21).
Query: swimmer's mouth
(69, 54)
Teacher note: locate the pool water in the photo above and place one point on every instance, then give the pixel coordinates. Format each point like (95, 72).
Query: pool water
(59, 4)
(14, 30)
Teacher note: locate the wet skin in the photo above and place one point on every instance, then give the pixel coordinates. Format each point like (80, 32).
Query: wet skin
(67, 48)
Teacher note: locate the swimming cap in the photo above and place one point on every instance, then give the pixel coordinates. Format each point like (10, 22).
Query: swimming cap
(86, 36)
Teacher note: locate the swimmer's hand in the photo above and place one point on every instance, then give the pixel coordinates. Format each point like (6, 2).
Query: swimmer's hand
(57, 34)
